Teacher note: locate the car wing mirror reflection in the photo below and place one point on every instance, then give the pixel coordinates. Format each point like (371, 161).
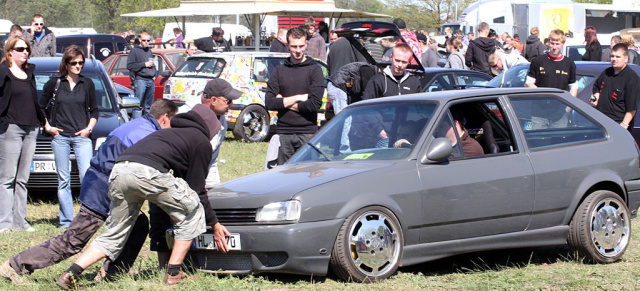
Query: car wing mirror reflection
(439, 151)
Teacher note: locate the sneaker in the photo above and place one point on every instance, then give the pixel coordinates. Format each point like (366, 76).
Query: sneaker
(30, 229)
(68, 282)
(177, 279)
(10, 274)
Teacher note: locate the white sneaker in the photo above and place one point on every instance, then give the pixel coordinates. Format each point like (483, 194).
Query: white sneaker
(30, 229)
(5, 230)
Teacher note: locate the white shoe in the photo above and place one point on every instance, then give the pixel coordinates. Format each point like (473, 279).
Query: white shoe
(5, 230)
(30, 229)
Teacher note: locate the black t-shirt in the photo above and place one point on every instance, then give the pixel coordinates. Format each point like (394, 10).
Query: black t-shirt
(558, 73)
(22, 110)
(618, 93)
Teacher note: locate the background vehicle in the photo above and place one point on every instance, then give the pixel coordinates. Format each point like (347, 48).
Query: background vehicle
(99, 45)
(248, 72)
(43, 171)
(364, 210)
(167, 60)
(574, 48)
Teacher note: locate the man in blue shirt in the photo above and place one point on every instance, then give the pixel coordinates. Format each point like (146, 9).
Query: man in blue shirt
(95, 204)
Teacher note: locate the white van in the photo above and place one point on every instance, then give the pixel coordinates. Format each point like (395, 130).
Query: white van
(197, 30)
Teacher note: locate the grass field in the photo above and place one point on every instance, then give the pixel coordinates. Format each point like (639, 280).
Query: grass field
(551, 268)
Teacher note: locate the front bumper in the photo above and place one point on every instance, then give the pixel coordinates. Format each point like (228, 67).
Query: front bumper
(633, 196)
(299, 248)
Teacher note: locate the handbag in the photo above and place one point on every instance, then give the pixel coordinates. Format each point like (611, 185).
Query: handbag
(49, 110)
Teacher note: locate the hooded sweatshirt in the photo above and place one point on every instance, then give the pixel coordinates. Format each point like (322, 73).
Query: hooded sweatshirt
(136, 63)
(477, 57)
(534, 47)
(292, 79)
(185, 148)
(456, 60)
(385, 84)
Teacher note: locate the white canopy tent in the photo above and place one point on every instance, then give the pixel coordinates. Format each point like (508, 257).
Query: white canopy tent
(258, 9)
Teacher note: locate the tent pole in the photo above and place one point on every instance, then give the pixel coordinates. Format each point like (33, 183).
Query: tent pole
(184, 28)
(256, 31)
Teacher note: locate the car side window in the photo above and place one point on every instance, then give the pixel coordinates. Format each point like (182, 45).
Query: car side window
(440, 83)
(120, 67)
(260, 72)
(583, 81)
(161, 64)
(445, 128)
(548, 121)
(471, 79)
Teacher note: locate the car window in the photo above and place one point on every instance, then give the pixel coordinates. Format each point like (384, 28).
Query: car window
(445, 128)
(201, 68)
(514, 77)
(440, 83)
(471, 79)
(583, 81)
(161, 65)
(108, 63)
(120, 46)
(354, 134)
(262, 67)
(120, 66)
(103, 49)
(548, 121)
(174, 58)
(102, 93)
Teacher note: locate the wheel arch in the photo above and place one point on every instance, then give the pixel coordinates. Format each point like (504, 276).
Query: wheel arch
(355, 204)
(599, 180)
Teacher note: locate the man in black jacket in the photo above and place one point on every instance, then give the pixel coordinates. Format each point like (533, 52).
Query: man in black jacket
(214, 43)
(477, 56)
(279, 45)
(295, 90)
(168, 168)
(533, 47)
(141, 66)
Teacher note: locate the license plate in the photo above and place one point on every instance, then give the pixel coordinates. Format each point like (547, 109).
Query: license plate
(43, 167)
(205, 242)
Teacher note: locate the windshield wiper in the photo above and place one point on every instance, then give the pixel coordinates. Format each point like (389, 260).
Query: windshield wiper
(319, 151)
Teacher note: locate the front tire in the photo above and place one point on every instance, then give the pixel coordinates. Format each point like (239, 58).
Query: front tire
(368, 247)
(600, 228)
(252, 124)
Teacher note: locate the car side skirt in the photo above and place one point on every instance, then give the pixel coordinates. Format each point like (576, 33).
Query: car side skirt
(421, 253)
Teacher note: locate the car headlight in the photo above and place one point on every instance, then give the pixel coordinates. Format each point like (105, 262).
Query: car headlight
(279, 211)
(99, 142)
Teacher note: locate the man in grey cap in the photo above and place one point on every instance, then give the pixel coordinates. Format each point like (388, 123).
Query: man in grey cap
(218, 95)
(168, 168)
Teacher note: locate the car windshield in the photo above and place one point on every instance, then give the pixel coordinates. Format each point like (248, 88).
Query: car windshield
(514, 77)
(102, 93)
(355, 134)
(174, 58)
(201, 68)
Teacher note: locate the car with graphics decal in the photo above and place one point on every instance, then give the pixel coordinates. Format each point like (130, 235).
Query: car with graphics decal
(248, 72)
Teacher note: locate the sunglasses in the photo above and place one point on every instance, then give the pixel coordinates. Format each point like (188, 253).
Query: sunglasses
(227, 101)
(21, 49)
(145, 40)
(39, 24)
(76, 63)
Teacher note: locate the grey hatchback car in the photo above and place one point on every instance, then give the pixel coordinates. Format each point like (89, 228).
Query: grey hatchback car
(548, 170)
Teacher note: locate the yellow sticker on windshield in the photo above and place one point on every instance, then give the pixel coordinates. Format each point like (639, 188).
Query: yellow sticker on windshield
(358, 156)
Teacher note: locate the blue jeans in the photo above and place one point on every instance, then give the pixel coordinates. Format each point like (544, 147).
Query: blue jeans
(337, 97)
(144, 89)
(61, 146)
(17, 147)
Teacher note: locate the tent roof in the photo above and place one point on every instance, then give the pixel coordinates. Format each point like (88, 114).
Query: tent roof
(266, 7)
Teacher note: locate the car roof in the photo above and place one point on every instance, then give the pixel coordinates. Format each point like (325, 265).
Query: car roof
(157, 51)
(52, 64)
(88, 35)
(245, 53)
(446, 96)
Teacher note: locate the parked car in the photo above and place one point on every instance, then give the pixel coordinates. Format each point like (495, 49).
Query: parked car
(99, 45)
(363, 210)
(246, 71)
(586, 74)
(574, 49)
(167, 61)
(43, 171)
(440, 79)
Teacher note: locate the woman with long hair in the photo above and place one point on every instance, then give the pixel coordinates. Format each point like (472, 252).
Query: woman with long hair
(456, 56)
(593, 48)
(20, 119)
(73, 115)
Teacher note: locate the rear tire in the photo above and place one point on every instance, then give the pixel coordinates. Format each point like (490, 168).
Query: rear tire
(252, 124)
(368, 247)
(600, 228)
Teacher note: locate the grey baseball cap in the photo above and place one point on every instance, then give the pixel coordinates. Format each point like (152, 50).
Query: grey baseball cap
(221, 88)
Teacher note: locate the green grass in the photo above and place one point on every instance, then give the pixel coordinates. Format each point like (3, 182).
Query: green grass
(551, 268)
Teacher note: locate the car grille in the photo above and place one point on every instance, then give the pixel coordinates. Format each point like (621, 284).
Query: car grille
(236, 215)
(213, 261)
(50, 180)
(43, 147)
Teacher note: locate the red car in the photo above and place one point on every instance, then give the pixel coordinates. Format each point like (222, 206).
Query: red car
(167, 61)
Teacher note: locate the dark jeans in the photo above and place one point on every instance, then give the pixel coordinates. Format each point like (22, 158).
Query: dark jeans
(145, 89)
(290, 143)
(84, 225)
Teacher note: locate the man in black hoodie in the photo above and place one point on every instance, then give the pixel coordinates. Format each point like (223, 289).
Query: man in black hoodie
(168, 168)
(533, 47)
(143, 71)
(477, 56)
(295, 90)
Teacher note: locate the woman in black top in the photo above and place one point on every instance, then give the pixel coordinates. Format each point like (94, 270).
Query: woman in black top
(593, 48)
(20, 119)
(73, 115)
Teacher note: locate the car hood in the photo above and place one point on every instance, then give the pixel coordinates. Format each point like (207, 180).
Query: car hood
(284, 182)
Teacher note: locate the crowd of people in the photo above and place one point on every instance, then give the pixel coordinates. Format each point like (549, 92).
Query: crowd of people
(168, 156)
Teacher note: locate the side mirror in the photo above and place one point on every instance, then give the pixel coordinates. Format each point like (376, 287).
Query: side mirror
(439, 151)
(130, 102)
(165, 73)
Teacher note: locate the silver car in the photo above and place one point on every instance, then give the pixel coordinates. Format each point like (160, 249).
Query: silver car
(459, 171)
